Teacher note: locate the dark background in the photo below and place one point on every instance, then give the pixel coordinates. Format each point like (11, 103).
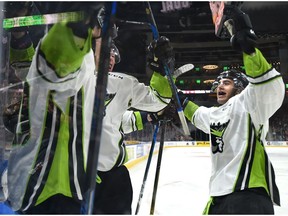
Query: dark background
(190, 29)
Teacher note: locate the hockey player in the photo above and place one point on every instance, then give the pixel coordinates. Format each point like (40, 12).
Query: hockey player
(114, 190)
(46, 168)
(242, 179)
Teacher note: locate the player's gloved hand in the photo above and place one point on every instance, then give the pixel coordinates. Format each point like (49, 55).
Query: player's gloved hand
(160, 51)
(244, 38)
(151, 117)
(183, 99)
(244, 41)
(154, 118)
(166, 114)
(170, 113)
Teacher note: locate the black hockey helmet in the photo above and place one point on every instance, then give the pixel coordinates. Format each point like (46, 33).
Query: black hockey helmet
(239, 79)
(114, 49)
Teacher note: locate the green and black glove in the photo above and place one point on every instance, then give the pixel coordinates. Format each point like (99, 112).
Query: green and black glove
(160, 51)
(244, 38)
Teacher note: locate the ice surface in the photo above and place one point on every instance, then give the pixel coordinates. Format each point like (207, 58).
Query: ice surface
(184, 179)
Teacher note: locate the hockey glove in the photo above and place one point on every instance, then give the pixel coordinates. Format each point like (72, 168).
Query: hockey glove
(170, 113)
(154, 118)
(160, 51)
(151, 117)
(244, 39)
(166, 114)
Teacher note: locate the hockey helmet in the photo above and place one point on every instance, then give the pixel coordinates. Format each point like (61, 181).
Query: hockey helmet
(114, 51)
(239, 79)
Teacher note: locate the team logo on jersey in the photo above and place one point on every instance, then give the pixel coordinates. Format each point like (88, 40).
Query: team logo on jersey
(217, 131)
(108, 99)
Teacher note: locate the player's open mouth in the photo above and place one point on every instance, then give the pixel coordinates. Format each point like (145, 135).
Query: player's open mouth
(221, 93)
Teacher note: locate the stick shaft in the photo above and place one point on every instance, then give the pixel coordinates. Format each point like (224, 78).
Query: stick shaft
(98, 112)
(147, 168)
(168, 73)
(44, 19)
(158, 166)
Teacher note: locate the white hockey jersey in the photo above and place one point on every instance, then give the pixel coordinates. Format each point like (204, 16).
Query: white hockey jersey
(237, 132)
(123, 92)
(50, 149)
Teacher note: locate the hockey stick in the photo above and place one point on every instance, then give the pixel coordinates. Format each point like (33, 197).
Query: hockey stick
(167, 71)
(129, 22)
(44, 19)
(181, 70)
(159, 160)
(180, 131)
(147, 167)
(97, 118)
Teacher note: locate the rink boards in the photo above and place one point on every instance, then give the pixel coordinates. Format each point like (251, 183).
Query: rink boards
(184, 179)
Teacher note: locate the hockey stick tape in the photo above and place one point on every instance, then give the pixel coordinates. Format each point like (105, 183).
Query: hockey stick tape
(183, 69)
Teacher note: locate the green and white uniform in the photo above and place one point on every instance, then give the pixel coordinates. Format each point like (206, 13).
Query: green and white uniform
(132, 121)
(124, 92)
(238, 129)
(50, 149)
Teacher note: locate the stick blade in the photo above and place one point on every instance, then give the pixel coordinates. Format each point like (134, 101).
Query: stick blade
(183, 69)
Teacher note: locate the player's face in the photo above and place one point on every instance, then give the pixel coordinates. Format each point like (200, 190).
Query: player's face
(225, 90)
(112, 61)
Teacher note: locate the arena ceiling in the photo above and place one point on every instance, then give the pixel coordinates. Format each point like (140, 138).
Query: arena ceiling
(190, 29)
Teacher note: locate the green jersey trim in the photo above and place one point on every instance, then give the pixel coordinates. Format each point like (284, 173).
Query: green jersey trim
(255, 65)
(70, 57)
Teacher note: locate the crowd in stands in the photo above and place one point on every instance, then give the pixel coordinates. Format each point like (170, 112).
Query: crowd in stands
(278, 130)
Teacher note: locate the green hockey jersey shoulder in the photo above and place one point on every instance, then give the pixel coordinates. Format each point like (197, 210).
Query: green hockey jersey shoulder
(255, 64)
(61, 51)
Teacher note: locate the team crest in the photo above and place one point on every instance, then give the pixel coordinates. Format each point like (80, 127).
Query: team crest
(217, 131)
(108, 99)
